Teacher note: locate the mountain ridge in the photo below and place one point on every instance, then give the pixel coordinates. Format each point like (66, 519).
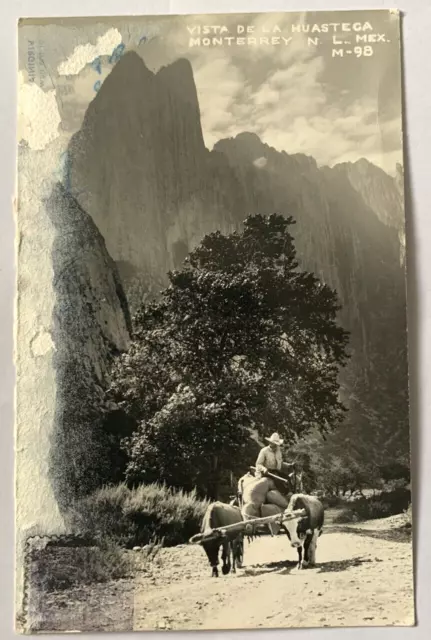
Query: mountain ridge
(139, 167)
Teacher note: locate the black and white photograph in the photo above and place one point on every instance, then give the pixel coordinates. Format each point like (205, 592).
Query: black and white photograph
(212, 400)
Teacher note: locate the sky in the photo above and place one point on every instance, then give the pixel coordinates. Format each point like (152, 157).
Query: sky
(295, 94)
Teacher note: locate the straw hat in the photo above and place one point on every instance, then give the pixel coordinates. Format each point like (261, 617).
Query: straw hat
(275, 439)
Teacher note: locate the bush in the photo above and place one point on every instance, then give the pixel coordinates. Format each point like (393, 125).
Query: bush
(393, 485)
(137, 517)
(331, 501)
(346, 516)
(395, 471)
(56, 567)
(382, 506)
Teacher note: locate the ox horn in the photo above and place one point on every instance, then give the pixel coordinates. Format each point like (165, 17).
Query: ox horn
(196, 538)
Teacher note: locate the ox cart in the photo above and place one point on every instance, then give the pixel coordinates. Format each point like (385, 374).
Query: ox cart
(245, 526)
(231, 538)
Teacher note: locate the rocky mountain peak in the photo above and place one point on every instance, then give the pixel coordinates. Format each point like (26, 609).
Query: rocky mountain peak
(130, 64)
(178, 74)
(378, 189)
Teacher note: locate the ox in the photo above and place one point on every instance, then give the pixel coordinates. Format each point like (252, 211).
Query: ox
(219, 515)
(303, 532)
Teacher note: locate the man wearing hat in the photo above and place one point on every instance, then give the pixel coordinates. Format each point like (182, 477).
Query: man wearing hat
(270, 458)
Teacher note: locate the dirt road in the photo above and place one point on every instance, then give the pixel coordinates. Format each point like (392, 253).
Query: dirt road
(363, 577)
(359, 580)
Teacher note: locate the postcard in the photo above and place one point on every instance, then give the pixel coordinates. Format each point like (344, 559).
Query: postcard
(211, 339)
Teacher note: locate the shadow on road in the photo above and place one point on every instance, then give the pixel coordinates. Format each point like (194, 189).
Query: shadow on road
(341, 565)
(284, 566)
(402, 534)
(287, 566)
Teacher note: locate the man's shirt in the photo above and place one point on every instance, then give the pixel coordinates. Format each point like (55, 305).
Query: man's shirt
(269, 459)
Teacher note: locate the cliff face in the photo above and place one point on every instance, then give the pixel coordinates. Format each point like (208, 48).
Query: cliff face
(91, 324)
(342, 233)
(139, 167)
(382, 193)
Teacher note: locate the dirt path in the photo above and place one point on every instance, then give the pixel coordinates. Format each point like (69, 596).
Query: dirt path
(359, 580)
(363, 577)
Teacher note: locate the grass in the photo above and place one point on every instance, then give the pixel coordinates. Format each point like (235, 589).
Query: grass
(139, 516)
(55, 567)
(106, 523)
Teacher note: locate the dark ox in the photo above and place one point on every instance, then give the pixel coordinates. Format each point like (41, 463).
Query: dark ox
(219, 515)
(303, 532)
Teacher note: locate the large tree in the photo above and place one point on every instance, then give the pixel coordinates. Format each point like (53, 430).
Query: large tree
(240, 340)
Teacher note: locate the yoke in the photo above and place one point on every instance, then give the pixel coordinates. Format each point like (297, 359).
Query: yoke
(245, 525)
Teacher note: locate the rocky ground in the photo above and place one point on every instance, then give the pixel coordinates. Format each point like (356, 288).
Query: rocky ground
(363, 577)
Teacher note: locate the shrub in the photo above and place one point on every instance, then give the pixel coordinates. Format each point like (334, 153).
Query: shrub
(56, 567)
(386, 504)
(345, 516)
(136, 517)
(393, 485)
(398, 470)
(398, 499)
(331, 501)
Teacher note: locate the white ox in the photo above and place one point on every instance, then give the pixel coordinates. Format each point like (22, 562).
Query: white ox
(303, 532)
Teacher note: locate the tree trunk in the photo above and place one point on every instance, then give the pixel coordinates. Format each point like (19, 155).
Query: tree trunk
(214, 480)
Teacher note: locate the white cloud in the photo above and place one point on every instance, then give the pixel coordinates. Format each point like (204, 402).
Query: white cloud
(83, 54)
(337, 135)
(219, 85)
(292, 110)
(267, 25)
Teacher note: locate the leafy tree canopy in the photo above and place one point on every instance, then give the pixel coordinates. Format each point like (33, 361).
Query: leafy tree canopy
(240, 340)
